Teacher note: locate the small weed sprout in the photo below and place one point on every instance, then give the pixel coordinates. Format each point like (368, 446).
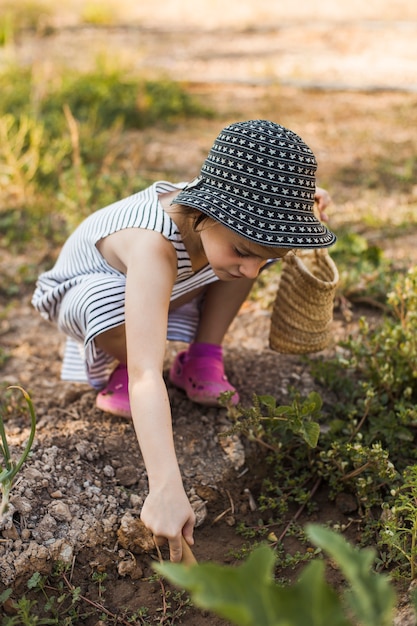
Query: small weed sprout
(9, 471)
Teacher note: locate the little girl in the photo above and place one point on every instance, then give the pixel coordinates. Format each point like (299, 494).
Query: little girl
(177, 261)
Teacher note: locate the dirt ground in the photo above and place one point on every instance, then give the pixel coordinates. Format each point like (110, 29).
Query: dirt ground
(79, 497)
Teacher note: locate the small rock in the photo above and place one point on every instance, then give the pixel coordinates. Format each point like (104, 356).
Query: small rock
(199, 507)
(21, 504)
(207, 493)
(133, 534)
(45, 529)
(32, 474)
(10, 533)
(57, 494)
(129, 567)
(108, 471)
(60, 511)
(127, 475)
(135, 501)
(234, 450)
(66, 553)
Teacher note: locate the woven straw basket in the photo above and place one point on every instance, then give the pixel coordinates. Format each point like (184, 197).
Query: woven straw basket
(302, 314)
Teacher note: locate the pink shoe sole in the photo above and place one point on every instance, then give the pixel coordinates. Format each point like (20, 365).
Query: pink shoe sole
(202, 378)
(114, 398)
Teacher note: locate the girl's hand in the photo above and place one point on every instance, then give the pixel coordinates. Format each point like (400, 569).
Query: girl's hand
(168, 515)
(323, 200)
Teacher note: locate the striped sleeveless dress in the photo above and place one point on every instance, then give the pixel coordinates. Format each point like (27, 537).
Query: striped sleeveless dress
(85, 296)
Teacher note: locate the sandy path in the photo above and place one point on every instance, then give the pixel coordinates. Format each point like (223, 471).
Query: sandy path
(327, 45)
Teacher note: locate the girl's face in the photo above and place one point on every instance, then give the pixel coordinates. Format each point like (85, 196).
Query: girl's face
(232, 256)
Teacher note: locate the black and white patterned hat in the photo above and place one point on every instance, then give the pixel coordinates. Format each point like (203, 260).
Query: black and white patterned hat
(259, 181)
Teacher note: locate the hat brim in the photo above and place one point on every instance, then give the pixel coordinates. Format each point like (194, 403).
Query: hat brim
(278, 227)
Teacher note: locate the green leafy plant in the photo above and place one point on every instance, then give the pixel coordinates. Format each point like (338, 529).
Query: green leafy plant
(358, 468)
(399, 523)
(54, 599)
(366, 274)
(9, 469)
(367, 435)
(297, 418)
(288, 435)
(248, 595)
(63, 144)
(378, 366)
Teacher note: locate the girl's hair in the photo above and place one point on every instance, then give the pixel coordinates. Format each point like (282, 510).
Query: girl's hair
(197, 221)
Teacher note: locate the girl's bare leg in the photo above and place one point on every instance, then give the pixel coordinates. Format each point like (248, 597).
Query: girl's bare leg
(221, 304)
(113, 342)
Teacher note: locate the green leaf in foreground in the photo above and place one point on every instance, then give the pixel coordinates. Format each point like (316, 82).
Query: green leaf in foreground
(371, 596)
(244, 595)
(248, 596)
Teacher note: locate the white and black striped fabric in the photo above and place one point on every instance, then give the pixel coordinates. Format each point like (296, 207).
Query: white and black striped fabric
(85, 296)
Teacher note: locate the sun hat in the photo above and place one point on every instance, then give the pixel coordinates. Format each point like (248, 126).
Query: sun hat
(259, 180)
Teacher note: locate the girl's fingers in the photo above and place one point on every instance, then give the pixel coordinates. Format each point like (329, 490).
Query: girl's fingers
(175, 550)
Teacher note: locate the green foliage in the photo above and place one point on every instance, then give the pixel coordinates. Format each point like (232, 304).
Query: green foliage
(373, 451)
(15, 16)
(371, 597)
(7, 28)
(4, 356)
(248, 596)
(102, 98)
(367, 431)
(53, 599)
(356, 467)
(244, 595)
(98, 13)
(10, 469)
(365, 273)
(296, 418)
(98, 98)
(399, 523)
(55, 602)
(283, 432)
(63, 144)
(380, 365)
(20, 154)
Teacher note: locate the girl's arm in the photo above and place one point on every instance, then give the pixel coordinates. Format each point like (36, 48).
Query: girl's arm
(151, 268)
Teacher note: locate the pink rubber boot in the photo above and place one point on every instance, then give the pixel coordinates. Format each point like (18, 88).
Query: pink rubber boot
(114, 398)
(199, 371)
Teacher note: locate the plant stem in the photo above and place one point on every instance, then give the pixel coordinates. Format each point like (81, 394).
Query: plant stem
(300, 510)
(8, 474)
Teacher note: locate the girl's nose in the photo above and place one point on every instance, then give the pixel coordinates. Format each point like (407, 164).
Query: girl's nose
(250, 268)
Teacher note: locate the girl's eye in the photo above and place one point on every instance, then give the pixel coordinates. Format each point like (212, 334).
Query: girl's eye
(239, 253)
